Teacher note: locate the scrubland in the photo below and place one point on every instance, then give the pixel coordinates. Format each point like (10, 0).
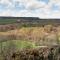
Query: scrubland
(48, 34)
(12, 42)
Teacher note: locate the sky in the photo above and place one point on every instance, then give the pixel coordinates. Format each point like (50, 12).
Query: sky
(30, 8)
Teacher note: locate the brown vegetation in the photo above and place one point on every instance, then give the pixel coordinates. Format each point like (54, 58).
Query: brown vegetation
(7, 27)
(45, 34)
(45, 53)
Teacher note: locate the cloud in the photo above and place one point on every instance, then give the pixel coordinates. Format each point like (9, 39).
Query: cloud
(30, 8)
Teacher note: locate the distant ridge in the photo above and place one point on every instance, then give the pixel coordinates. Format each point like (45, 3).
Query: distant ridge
(25, 18)
(30, 18)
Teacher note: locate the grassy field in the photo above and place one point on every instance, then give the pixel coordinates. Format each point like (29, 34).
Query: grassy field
(18, 44)
(7, 21)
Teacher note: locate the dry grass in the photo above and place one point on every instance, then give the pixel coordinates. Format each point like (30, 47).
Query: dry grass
(47, 33)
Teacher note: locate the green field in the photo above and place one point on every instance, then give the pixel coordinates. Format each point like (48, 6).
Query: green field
(16, 44)
(7, 21)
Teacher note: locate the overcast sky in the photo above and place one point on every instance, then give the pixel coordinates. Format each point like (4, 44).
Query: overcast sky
(30, 8)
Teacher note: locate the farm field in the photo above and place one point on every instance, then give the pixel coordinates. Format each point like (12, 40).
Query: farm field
(7, 21)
